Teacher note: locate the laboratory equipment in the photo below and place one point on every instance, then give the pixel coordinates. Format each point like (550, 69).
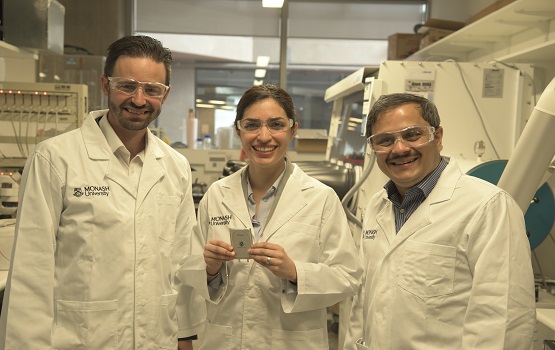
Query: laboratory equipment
(38, 25)
(33, 112)
(7, 230)
(530, 162)
(74, 69)
(192, 129)
(207, 142)
(9, 187)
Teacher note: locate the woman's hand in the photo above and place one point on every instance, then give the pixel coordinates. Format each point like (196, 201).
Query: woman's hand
(274, 258)
(215, 253)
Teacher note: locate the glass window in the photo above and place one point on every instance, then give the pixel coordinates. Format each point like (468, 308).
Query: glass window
(349, 145)
(306, 87)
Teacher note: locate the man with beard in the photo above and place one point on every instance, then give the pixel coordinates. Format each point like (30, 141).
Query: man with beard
(445, 255)
(106, 212)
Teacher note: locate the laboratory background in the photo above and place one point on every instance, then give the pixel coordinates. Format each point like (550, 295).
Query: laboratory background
(487, 64)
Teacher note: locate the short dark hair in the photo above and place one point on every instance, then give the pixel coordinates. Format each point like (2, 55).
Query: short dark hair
(386, 103)
(138, 46)
(261, 92)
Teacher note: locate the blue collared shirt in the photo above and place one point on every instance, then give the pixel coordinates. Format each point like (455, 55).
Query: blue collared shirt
(403, 209)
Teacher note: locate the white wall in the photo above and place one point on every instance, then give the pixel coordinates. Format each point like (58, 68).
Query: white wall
(176, 108)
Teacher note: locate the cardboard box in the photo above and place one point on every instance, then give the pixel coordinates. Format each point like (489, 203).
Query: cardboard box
(311, 140)
(402, 45)
(439, 24)
(433, 35)
(486, 11)
(435, 29)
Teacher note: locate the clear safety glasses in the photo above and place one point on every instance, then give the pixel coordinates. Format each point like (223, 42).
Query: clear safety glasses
(413, 136)
(253, 126)
(130, 87)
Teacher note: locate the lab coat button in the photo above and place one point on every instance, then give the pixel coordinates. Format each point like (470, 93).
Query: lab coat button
(283, 291)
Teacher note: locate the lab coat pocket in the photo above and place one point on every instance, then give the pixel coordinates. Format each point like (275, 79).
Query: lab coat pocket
(86, 325)
(427, 270)
(306, 340)
(167, 326)
(216, 336)
(299, 240)
(168, 207)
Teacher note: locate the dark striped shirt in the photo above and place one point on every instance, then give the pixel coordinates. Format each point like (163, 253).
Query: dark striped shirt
(414, 196)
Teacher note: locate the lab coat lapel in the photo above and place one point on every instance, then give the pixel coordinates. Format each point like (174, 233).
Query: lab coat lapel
(418, 220)
(116, 173)
(289, 204)
(234, 199)
(152, 171)
(383, 219)
(99, 150)
(443, 191)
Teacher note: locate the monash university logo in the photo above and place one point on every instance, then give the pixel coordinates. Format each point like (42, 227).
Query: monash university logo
(91, 191)
(220, 220)
(369, 234)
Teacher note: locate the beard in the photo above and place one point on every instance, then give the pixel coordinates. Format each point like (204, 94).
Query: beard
(136, 121)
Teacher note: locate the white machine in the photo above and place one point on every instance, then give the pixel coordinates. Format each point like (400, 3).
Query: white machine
(32, 112)
(529, 166)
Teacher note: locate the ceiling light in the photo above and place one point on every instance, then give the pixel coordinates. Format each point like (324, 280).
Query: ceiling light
(259, 73)
(272, 3)
(262, 61)
(204, 105)
(216, 102)
(257, 82)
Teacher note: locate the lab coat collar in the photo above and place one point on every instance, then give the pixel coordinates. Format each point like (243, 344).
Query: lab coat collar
(443, 191)
(97, 146)
(153, 170)
(98, 149)
(290, 202)
(95, 142)
(233, 198)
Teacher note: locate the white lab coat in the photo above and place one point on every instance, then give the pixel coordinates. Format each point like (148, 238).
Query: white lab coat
(457, 275)
(252, 308)
(93, 259)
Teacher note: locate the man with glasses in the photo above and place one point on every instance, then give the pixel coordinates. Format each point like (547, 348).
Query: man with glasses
(446, 257)
(106, 212)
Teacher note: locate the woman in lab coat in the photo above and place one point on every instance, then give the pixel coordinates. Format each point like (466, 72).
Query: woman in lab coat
(303, 258)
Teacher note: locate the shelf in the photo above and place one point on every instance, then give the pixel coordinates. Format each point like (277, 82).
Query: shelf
(522, 31)
(10, 51)
(541, 52)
